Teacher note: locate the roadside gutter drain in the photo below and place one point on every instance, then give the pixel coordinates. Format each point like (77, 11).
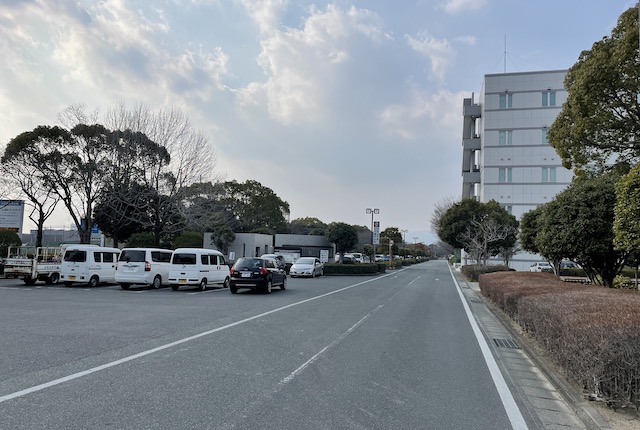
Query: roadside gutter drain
(506, 343)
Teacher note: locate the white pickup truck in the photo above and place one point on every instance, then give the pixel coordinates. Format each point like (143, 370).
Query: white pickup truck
(33, 264)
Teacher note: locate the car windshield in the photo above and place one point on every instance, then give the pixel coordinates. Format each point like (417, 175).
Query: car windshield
(248, 263)
(305, 260)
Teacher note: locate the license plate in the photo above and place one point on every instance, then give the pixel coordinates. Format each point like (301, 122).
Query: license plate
(182, 281)
(246, 274)
(72, 278)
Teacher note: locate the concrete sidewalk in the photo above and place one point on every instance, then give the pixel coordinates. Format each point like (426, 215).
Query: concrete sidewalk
(545, 398)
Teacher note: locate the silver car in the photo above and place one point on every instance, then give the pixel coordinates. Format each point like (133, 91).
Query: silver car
(307, 266)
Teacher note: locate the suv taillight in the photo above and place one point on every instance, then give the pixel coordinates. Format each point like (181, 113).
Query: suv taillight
(147, 266)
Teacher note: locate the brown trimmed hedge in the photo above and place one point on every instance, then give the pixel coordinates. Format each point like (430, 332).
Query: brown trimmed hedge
(592, 332)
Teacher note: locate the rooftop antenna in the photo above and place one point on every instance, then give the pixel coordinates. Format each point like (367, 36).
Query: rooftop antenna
(505, 53)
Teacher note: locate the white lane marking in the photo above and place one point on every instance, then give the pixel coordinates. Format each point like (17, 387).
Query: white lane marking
(332, 344)
(414, 280)
(509, 403)
(171, 344)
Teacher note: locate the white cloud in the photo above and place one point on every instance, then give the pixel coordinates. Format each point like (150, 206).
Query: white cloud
(425, 111)
(456, 6)
(301, 63)
(439, 52)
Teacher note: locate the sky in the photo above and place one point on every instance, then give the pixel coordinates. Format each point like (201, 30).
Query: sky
(337, 106)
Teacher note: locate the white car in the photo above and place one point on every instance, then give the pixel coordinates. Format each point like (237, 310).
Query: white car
(307, 266)
(541, 266)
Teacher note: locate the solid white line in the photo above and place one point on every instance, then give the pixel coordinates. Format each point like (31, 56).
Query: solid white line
(171, 344)
(509, 403)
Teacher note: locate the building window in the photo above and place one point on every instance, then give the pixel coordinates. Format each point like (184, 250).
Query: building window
(505, 137)
(509, 209)
(548, 98)
(548, 174)
(545, 140)
(506, 101)
(505, 174)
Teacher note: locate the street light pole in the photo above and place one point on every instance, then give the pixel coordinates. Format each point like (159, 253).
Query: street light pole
(373, 211)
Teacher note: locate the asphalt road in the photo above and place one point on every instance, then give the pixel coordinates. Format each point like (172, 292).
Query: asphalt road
(390, 352)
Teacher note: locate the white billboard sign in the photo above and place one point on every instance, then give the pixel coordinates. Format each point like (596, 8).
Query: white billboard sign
(11, 215)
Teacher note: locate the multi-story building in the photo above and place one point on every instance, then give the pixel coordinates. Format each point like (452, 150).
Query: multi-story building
(506, 155)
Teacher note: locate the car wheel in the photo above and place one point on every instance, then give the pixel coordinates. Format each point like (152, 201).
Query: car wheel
(226, 283)
(203, 284)
(175, 287)
(93, 282)
(53, 279)
(284, 284)
(233, 289)
(125, 286)
(268, 287)
(157, 282)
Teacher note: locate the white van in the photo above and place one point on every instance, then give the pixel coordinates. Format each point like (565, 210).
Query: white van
(88, 264)
(198, 267)
(143, 266)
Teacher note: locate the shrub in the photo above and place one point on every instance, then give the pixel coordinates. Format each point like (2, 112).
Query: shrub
(473, 271)
(353, 269)
(591, 331)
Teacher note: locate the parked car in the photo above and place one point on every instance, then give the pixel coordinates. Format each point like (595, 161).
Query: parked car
(569, 265)
(307, 266)
(541, 266)
(88, 264)
(198, 267)
(358, 257)
(281, 262)
(143, 266)
(257, 273)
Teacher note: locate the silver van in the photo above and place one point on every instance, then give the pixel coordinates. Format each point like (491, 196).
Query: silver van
(143, 266)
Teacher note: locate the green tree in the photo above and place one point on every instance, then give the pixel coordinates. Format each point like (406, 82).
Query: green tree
(254, 207)
(455, 220)
(627, 207)
(143, 239)
(343, 235)
(8, 238)
(601, 117)
(578, 224)
(307, 226)
(529, 230)
(188, 239)
(482, 229)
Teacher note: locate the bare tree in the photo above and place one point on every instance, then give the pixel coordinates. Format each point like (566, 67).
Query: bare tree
(479, 237)
(441, 207)
(23, 180)
(192, 157)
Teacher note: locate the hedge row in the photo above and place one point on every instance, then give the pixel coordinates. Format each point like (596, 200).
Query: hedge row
(592, 332)
(354, 269)
(473, 271)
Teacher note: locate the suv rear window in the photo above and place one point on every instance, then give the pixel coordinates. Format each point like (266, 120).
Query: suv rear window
(184, 259)
(76, 256)
(132, 256)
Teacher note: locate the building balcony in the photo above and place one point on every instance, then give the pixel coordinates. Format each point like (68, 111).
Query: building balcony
(471, 144)
(471, 110)
(471, 177)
